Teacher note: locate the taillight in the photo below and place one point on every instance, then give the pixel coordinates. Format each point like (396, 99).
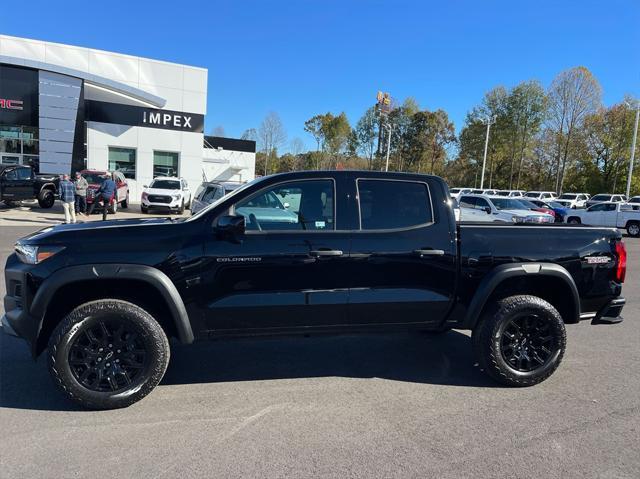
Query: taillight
(621, 267)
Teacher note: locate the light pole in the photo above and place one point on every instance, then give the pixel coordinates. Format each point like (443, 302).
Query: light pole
(489, 122)
(633, 146)
(388, 127)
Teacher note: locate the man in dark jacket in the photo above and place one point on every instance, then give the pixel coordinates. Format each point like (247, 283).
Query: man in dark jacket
(106, 193)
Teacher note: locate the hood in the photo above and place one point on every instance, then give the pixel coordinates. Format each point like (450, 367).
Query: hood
(161, 191)
(59, 233)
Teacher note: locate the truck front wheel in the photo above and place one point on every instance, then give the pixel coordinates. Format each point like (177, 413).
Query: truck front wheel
(46, 199)
(520, 341)
(108, 354)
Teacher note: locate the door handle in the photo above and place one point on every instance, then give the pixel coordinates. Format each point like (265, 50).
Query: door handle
(326, 252)
(429, 252)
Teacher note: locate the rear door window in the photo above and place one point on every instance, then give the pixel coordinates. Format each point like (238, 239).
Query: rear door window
(386, 204)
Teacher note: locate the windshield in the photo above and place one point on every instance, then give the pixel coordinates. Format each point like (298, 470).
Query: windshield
(568, 196)
(635, 199)
(503, 193)
(532, 194)
(205, 210)
(555, 204)
(601, 197)
(455, 190)
(165, 184)
(527, 204)
(94, 178)
(507, 204)
(477, 192)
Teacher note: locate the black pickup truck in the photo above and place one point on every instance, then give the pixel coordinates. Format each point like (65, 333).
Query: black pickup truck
(303, 253)
(20, 182)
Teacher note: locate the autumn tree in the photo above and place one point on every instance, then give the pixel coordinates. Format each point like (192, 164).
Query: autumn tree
(573, 95)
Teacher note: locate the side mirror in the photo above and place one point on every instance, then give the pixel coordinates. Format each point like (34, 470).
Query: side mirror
(231, 227)
(145, 186)
(487, 210)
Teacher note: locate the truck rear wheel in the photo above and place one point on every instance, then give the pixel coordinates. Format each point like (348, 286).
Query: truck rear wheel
(46, 199)
(108, 354)
(520, 341)
(633, 228)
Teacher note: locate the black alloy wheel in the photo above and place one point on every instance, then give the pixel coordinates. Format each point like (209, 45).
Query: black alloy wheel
(527, 342)
(520, 340)
(109, 355)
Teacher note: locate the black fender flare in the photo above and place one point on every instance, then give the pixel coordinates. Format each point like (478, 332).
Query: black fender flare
(148, 274)
(513, 270)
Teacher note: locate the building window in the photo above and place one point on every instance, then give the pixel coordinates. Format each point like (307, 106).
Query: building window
(165, 163)
(123, 160)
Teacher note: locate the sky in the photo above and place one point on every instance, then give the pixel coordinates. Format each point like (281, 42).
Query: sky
(301, 58)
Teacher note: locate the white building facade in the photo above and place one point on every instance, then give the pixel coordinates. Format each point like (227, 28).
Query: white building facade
(65, 108)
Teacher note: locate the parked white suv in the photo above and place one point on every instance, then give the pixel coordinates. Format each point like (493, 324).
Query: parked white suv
(166, 193)
(574, 200)
(540, 195)
(499, 208)
(456, 192)
(511, 193)
(606, 198)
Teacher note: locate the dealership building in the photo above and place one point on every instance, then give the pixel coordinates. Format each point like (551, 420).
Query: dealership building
(65, 108)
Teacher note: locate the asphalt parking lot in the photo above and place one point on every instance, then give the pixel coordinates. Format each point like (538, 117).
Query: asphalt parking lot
(370, 406)
(28, 213)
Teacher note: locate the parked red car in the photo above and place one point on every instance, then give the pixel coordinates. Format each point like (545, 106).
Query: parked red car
(95, 179)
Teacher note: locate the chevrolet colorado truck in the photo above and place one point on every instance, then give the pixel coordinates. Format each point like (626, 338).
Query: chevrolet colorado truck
(303, 253)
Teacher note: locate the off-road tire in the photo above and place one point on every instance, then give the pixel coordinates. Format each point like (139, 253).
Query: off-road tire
(144, 210)
(113, 208)
(181, 209)
(46, 199)
(125, 202)
(156, 346)
(487, 337)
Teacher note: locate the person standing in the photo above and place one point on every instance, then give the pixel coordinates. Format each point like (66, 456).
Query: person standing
(68, 196)
(81, 193)
(105, 193)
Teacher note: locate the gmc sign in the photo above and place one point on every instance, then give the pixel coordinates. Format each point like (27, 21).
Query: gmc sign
(7, 104)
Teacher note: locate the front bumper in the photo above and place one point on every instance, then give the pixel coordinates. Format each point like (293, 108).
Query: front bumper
(174, 205)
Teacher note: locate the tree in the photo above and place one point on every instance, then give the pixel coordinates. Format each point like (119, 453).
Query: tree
(428, 136)
(573, 95)
(296, 146)
(271, 135)
(336, 131)
(314, 126)
(250, 134)
(365, 134)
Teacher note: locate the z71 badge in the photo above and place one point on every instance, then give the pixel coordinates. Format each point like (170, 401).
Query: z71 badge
(248, 259)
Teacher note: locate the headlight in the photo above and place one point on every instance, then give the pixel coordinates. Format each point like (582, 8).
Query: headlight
(30, 254)
(176, 197)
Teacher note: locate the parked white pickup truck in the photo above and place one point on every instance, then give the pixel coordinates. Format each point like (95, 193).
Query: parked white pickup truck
(616, 215)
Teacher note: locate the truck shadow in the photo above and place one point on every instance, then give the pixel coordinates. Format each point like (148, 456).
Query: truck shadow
(444, 359)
